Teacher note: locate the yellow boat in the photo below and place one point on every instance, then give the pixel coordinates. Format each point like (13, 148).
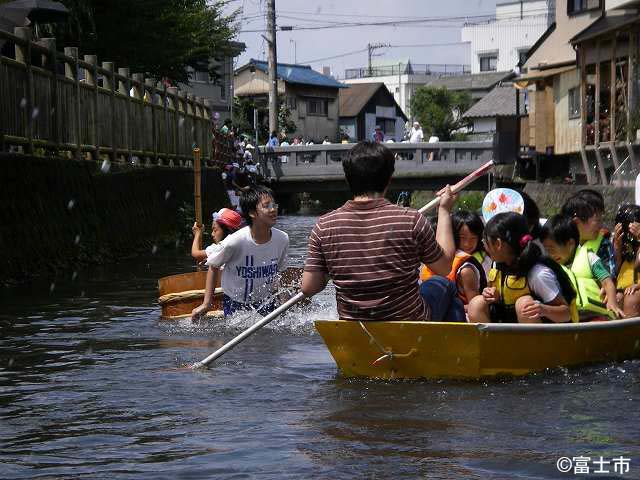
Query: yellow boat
(409, 350)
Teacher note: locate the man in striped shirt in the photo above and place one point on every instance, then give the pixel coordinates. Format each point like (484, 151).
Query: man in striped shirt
(372, 249)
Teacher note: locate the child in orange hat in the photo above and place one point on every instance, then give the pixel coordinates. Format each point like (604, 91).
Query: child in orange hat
(225, 222)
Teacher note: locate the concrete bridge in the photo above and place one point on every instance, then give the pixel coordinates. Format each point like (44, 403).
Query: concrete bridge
(419, 166)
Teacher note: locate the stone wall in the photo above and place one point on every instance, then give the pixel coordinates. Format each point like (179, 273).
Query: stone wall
(58, 213)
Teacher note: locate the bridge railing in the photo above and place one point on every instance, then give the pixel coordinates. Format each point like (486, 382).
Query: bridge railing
(60, 103)
(326, 160)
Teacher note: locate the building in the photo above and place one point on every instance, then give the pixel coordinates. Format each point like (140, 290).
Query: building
(403, 78)
(219, 92)
(498, 106)
(477, 84)
(552, 80)
(363, 106)
(311, 97)
(501, 44)
(605, 101)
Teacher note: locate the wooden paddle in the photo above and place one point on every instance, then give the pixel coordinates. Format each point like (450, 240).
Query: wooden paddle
(460, 185)
(300, 296)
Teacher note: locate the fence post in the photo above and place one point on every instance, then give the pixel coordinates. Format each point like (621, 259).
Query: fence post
(91, 76)
(52, 64)
(72, 73)
(165, 121)
(181, 111)
(123, 88)
(207, 114)
(173, 95)
(109, 83)
(23, 55)
(138, 131)
(149, 82)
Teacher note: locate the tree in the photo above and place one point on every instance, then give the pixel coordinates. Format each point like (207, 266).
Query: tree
(285, 124)
(439, 110)
(160, 38)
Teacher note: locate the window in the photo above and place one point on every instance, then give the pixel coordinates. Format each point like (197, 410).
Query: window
(574, 102)
(291, 102)
(318, 106)
(489, 63)
(522, 56)
(388, 126)
(201, 77)
(575, 7)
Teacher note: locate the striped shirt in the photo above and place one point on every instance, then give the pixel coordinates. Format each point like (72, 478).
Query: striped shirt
(372, 250)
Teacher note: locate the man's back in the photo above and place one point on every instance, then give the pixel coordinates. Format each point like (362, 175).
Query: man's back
(372, 249)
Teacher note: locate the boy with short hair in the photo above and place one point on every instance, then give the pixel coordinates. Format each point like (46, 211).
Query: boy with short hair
(561, 239)
(586, 208)
(252, 257)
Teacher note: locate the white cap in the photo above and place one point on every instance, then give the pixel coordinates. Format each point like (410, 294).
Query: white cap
(249, 146)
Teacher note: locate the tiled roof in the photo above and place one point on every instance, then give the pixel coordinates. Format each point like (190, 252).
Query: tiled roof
(475, 81)
(300, 74)
(356, 97)
(499, 102)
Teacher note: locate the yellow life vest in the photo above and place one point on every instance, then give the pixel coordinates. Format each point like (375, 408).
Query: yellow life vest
(509, 287)
(627, 275)
(574, 314)
(586, 287)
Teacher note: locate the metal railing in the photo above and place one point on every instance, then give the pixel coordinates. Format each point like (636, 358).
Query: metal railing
(436, 69)
(58, 102)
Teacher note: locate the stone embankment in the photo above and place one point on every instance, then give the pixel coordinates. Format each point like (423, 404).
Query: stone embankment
(57, 214)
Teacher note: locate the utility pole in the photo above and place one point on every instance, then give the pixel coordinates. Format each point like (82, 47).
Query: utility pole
(372, 47)
(273, 62)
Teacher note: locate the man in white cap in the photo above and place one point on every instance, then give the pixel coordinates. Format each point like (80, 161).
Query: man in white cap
(416, 134)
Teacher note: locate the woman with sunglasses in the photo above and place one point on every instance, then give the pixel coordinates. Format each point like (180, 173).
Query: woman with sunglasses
(524, 286)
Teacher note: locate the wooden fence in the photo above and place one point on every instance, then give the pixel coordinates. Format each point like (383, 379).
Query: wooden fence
(60, 103)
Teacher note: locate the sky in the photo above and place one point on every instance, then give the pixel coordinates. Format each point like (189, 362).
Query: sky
(421, 37)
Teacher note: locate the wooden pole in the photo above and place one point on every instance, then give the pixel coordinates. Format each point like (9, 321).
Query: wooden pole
(52, 64)
(596, 141)
(110, 83)
(23, 55)
(92, 79)
(197, 191)
(612, 94)
(71, 71)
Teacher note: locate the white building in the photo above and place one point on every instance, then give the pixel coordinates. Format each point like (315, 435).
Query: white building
(403, 77)
(502, 43)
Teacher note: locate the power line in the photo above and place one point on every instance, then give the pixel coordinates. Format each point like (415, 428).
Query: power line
(421, 45)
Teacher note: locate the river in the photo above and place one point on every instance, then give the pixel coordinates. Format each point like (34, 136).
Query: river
(92, 385)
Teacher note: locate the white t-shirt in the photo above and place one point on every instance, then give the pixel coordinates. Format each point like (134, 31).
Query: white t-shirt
(250, 269)
(543, 283)
(416, 135)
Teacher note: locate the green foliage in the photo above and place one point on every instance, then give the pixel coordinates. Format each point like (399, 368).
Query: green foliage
(471, 201)
(160, 38)
(439, 110)
(285, 124)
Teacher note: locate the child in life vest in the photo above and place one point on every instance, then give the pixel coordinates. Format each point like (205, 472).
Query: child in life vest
(225, 222)
(626, 244)
(467, 271)
(524, 286)
(584, 268)
(586, 208)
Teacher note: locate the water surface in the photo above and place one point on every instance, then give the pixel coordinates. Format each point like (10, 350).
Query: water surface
(91, 386)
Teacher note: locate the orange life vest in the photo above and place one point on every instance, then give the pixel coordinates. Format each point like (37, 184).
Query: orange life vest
(460, 259)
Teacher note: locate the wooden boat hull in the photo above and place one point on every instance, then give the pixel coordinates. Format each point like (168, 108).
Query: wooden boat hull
(180, 294)
(470, 351)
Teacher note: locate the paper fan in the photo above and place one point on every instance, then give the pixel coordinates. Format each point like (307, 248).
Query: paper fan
(501, 200)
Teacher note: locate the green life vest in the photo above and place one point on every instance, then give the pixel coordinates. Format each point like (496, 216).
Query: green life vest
(594, 245)
(586, 287)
